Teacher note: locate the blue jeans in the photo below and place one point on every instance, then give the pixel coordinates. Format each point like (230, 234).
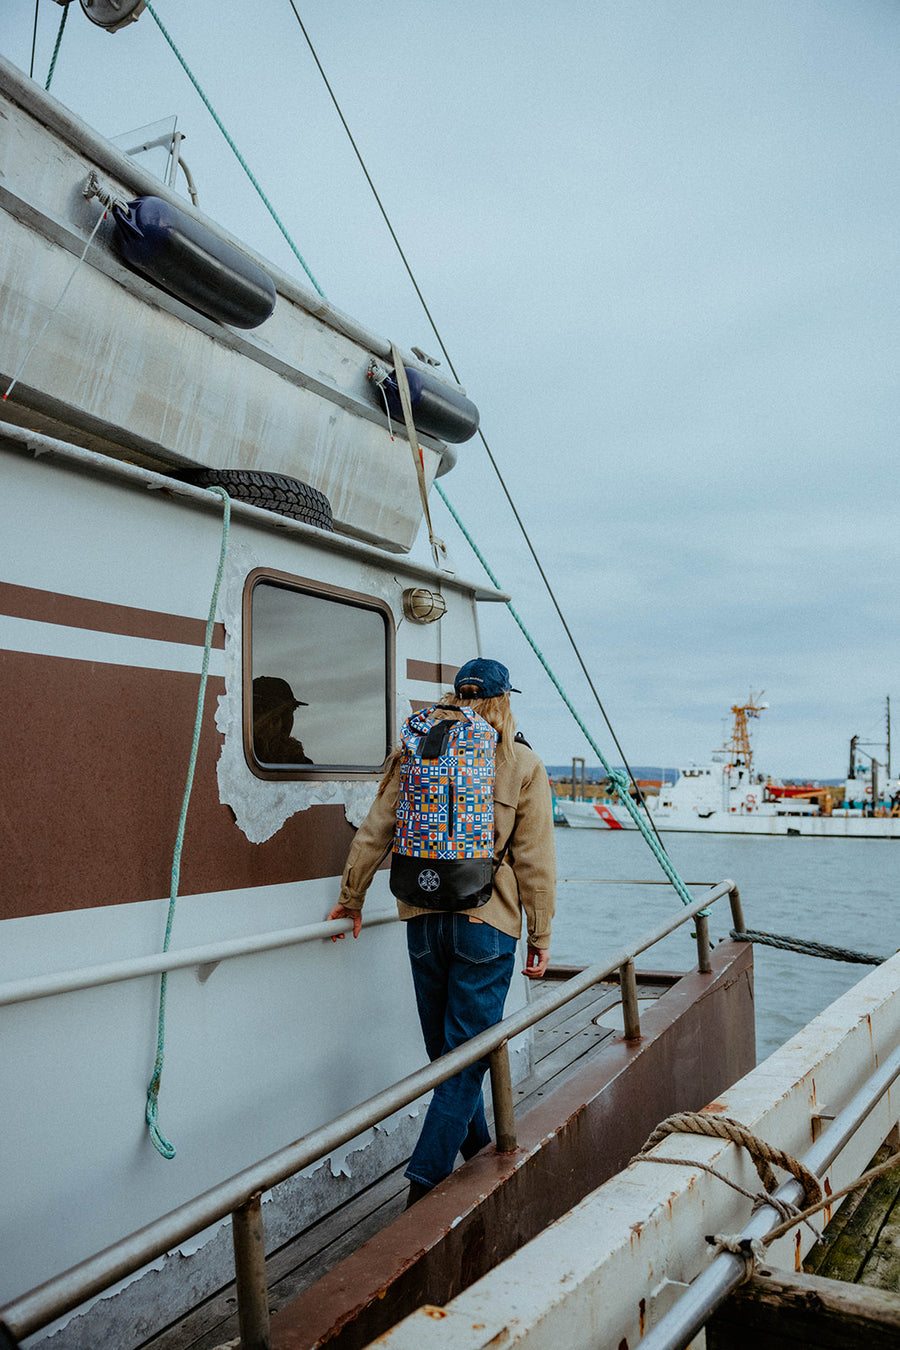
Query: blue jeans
(461, 971)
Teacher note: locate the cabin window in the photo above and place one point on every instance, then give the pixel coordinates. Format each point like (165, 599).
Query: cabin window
(318, 679)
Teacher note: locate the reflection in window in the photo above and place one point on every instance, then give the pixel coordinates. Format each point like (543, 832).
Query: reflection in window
(319, 679)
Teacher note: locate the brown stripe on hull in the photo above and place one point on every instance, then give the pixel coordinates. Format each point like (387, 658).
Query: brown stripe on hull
(430, 671)
(93, 762)
(75, 611)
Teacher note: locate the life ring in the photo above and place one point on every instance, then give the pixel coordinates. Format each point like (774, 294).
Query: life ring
(750, 802)
(273, 491)
(868, 789)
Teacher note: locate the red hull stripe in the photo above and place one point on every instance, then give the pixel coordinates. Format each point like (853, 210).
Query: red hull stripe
(431, 672)
(93, 764)
(74, 611)
(605, 814)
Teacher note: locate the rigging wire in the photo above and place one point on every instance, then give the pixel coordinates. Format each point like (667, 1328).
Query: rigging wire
(37, 5)
(482, 438)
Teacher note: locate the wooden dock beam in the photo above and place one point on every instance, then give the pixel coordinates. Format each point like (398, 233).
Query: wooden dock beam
(781, 1310)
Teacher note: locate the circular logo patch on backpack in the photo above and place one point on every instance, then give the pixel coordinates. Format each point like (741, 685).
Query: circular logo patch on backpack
(429, 880)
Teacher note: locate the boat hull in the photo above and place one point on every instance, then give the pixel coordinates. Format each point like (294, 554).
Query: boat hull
(591, 816)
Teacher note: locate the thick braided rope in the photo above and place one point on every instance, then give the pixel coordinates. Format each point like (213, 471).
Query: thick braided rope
(62, 25)
(807, 948)
(618, 777)
(158, 1139)
(764, 1155)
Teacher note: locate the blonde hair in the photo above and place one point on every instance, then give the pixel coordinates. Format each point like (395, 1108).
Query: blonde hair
(497, 712)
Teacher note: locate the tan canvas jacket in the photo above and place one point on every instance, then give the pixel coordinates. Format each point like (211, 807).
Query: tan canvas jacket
(526, 879)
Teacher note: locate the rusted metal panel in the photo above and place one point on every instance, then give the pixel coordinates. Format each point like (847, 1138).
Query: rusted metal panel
(697, 1040)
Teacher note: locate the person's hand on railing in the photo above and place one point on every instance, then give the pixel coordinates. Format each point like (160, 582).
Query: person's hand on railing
(536, 962)
(341, 912)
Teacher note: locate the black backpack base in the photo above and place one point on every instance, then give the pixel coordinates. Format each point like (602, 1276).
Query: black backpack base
(441, 883)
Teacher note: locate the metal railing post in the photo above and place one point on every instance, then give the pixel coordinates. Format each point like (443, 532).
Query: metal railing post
(703, 956)
(630, 1013)
(250, 1274)
(737, 911)
(502, 1097)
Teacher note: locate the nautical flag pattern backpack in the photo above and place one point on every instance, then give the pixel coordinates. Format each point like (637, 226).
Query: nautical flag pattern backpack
(444, 837)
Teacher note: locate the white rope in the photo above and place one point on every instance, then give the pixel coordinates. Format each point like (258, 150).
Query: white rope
(25, 358)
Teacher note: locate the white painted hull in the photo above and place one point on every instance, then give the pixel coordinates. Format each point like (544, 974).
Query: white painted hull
(588, 816)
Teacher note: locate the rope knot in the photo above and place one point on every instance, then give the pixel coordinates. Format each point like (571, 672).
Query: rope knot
(751, 1250)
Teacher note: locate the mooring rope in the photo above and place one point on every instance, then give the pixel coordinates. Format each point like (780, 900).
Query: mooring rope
(158, 1139)
(790, 944)
(62, 25)
(753, 1250)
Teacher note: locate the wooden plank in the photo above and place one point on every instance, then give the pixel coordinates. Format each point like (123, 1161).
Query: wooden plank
(819, 1253)
(781, 1310)
(882, 1270)
(293, 1267)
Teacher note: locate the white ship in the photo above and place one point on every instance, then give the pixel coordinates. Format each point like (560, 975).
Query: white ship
(729, 795)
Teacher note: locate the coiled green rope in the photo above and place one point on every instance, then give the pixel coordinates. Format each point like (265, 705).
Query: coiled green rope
(159, 1141)
(618, 777)
(240, 158)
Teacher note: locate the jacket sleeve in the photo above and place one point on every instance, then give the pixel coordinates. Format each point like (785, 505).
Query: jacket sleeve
(534, 855)
(370, 847)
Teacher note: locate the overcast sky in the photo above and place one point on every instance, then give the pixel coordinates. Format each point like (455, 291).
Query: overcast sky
(660, 241)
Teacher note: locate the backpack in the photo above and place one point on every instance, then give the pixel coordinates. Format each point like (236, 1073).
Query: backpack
(444, 836)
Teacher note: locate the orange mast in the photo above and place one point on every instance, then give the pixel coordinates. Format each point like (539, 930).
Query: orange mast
(740, 750)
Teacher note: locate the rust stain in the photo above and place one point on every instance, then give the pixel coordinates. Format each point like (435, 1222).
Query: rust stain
(642, 1314)
(798, 1260)
(712, 1108)
(436, 1313)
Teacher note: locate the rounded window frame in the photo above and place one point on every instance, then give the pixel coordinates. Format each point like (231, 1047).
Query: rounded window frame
(342, 596)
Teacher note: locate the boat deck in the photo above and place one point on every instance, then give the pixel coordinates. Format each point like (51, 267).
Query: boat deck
(562, 1042)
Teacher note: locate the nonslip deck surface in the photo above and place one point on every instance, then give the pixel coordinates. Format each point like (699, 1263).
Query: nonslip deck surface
(561, 1043)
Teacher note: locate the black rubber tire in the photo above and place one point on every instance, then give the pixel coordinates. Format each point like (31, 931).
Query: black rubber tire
(272, 491)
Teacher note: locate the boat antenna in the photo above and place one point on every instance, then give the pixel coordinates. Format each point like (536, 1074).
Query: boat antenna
(481, 435)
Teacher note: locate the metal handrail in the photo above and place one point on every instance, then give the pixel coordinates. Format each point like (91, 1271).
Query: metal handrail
(134, 967)
(240, 1194)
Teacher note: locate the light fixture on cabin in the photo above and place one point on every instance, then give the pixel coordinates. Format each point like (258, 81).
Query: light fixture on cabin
(421, 606)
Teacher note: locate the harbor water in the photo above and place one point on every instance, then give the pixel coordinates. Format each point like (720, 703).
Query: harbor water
(842, 892)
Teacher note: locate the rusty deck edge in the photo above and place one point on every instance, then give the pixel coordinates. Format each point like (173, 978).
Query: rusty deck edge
(497, 1202)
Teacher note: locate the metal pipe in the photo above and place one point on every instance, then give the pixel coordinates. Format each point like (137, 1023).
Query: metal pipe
(64, 1292)
(737, 911)
(692, 1311)
(502, 1098)
(135, 967)
(250, 1275)
(630, 1011)
(703, 957)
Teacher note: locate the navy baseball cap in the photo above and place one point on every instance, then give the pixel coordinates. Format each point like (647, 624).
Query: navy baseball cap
(489, 676)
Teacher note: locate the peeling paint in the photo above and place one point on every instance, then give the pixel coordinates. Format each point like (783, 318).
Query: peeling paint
(436, 1313)
(260, 806)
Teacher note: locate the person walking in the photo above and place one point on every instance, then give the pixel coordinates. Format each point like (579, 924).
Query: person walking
(462, 961)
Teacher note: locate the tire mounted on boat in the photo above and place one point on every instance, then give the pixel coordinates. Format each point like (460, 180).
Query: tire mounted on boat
(272, 491)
